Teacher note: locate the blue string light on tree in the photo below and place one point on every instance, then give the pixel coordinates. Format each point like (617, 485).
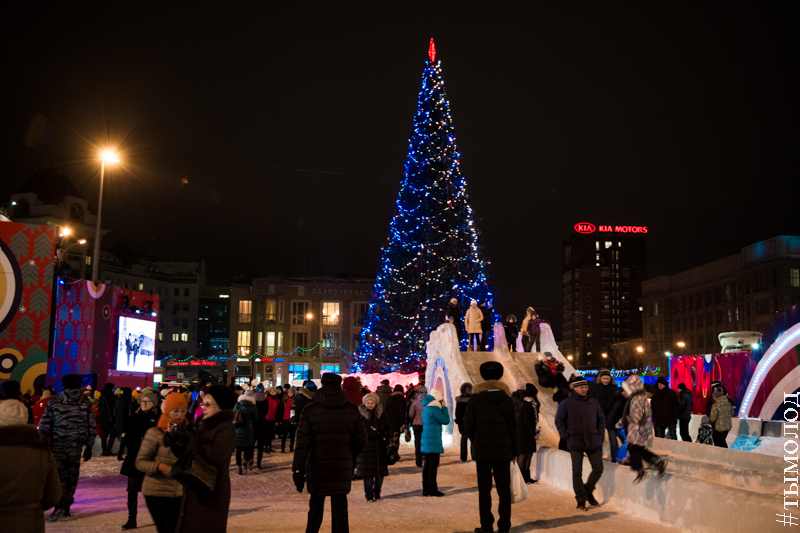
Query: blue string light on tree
(432, 253)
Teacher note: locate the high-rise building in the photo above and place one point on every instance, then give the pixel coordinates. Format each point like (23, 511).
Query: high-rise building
(603, 270)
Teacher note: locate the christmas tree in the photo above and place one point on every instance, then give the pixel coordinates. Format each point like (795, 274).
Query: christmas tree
(432, 253)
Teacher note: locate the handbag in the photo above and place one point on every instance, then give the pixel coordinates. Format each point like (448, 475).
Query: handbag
(519, 490)
(622, 452)
(194, 473)
(408, 435)
(392, 450)
(238, 419)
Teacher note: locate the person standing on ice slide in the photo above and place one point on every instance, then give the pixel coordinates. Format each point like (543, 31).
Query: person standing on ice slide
(453, 315)
(472, 319)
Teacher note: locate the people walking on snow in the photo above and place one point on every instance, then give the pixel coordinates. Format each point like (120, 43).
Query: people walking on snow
(331, 433)
(461, 408)
(143, 419)
(162, 494)
(273, 406)
(415, 419)
(486, 323)
(107, 406)
(721, 413)
(685, 413)
(434, 416)
(666, 406)
(580, 421)
(67, 426)
(372, 461)
(352, 391)
(29, 480)
(383, 391)
(491, 425)
(289, 427)
(639, 428)
(472, 320)
(453, 315)
(527, 424)
(512, 331)
(604, 389)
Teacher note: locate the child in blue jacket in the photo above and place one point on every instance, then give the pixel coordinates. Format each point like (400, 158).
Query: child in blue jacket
(434, 416)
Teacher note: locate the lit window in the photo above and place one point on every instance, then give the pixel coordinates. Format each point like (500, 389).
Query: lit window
(185, 337)
(608, 244)
(243, 343)
(794, 277)
(299, 312)
(330, 313)
(176, 336)
(245, 311)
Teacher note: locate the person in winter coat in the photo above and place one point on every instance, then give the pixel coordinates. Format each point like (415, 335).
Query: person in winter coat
(142, 420)
(352, 391)
(273, 406)
(580, 421)
(512, 331)
(162, 494)
(108, 408)
(383, 391)
(12, 391)
(415, 417)
(29, 483)
(396, 411)
(666, 406)
(303, 397)
(721, 413)
(534, 332)
(527, 423)
(705, 433)
(260, 428)
(685, 414)
(461, 408)
(122, 415)
(372, 462)
(331, 433)
(214, 440)
(486, 323)
(604, 389)
(289, 428)
(434, 416)
(636, 419)
(453, 315)
(68, 425)
(38, 408)
(472, 320)
(245, 431)
(711, 399)
(491, 425)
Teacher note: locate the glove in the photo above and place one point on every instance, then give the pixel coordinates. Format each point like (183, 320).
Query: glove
(87, 453)
(299, 480)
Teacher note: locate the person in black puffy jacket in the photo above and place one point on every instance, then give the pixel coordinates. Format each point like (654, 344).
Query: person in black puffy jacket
(331, 433)
(580, 422)
(461, 408)
(666, 406)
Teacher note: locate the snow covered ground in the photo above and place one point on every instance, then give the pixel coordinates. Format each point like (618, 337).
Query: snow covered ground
(267, 500)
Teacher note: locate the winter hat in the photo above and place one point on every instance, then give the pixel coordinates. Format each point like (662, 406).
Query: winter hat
(663, 380)
(223, 395)
(632, 384)
(491, 370)
(175, 401)
(330, 378)
(165, 393)
(473, 302)
(511, 318)
(371, 396)
(437, 395)
(152, 396)
(13, 413)
(46, 394)
(577, 381)
(453, 301)
(602, 373)
(72, 381)
(531, 310)
(247, 398)
(398, 388)
(531, 389)
(385, 382)
(705, 420)
(466, 389)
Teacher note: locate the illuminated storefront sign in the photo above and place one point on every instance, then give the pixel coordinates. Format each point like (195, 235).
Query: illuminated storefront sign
(192, 363)
(588, 227)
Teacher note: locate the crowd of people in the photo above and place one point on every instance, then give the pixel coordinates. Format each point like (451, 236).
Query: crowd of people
(173, 443)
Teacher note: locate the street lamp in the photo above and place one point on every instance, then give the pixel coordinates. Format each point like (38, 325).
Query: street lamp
(640, 349)
(310, 316)
(105, 157)
(605, 356)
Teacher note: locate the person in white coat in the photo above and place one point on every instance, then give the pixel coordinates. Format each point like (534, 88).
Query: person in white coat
(472, 320)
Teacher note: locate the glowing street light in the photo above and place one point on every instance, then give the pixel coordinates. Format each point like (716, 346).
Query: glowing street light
(105, 157)
(640, 349)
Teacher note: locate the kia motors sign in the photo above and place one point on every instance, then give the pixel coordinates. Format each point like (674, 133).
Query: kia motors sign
(588, 227)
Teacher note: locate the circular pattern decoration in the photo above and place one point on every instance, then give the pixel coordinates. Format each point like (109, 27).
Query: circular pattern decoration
(106, 312)
(96, 290)
(9, 359)
(10, 286)
(31, 370)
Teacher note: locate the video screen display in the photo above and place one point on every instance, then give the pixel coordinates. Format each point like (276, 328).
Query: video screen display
(136, 345)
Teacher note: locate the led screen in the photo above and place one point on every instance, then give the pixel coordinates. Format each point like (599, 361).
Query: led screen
(135, 345)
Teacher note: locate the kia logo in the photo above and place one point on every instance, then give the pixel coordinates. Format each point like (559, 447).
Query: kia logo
(584, 227)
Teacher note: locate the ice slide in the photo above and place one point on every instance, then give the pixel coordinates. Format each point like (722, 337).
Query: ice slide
(448, 368)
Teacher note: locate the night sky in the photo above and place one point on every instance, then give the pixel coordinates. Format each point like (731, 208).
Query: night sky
(272, 139)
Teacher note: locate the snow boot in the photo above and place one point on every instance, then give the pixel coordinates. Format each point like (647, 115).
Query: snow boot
(581, 506)
(57, 515)
(590, 499)
(661, 465)
(130, 524)
(640, 476)
(239, 470)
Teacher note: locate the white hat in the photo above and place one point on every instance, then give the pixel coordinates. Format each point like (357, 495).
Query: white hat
(473, 302)
(13, 413)
(437, 395)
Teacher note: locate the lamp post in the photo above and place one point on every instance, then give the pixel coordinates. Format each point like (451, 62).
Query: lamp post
(605, 356)
(105, 157)
(310, 316)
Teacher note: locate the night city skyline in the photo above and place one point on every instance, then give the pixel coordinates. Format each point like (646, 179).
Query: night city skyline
(272, 140)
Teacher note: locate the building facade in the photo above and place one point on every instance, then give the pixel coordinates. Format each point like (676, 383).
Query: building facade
(287, 327)
(742, 292)
(601, 280)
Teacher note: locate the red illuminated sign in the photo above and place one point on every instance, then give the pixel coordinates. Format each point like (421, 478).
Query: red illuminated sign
(588, 227)
(192, 363)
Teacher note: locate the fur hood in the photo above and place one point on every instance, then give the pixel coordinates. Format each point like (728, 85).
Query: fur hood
(376, 413)
(20, 435)
(302, 391)
(491, 384)
(247, 398)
